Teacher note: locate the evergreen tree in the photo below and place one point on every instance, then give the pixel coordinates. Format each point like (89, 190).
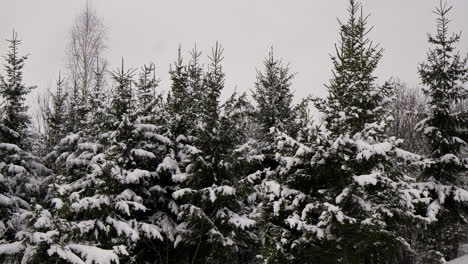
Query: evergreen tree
(443, 75)
(154, 152)
(146, 89)
(180, 97)
(273, 95)
(97, 101)
(13, 92)
(369, 184)
(56, 114)
(179, 119)
(340, 193)
(77, 111)
(122, 99)
(100, 201)
(20, 171)
(274, 108)
(213, 226)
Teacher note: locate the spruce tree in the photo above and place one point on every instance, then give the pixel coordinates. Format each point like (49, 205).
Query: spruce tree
(97, 101)
(340, 193)
(180, 98)
(154, 151)
(368, 192)
(20, 170)
(146, 89)
(273, 95)
(274, 108)
(13, 91)
(100, 206)
(77, 111)
(56, 114)
(273, 112)
(444, 75)
(212, 224)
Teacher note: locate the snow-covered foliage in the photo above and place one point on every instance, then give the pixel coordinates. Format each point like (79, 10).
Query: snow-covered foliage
(444, 76)
(139, 176)
(211, 210)
(340, 192)
(273, 96)
(20, 170)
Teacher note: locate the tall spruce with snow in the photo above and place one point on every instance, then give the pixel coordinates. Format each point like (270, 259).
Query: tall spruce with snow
(274, 108)
(15, 119)
(20, 171)
(340, 194)
(289, 230)
(154, 152)
(180, 100)
(444, 76)
(368, 196)
(212, 226)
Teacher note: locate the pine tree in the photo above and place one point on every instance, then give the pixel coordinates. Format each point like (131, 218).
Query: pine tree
(241, 161)
(369, 184)
(274, 110)
(290, 231)
(122, 99)
(443, 75)
(58, 232)
(179, 121)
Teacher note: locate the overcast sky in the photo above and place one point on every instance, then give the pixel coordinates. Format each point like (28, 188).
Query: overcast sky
(302, 33)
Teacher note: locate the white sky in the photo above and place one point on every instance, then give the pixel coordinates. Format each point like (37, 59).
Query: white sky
(302, 32)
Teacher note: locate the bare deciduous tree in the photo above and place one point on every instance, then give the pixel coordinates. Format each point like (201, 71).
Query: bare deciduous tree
(409, 108)
(85, 50)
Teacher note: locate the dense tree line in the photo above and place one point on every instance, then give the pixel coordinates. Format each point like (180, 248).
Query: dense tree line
(125, 173)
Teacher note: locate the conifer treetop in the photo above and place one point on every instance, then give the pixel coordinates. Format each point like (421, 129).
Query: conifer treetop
(273, 94)
(444, 75)
(122, 101)
(354, 98)
(13, 94)
(445, 70)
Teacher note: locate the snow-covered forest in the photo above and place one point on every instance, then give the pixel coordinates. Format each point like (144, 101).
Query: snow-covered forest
(122, 170)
